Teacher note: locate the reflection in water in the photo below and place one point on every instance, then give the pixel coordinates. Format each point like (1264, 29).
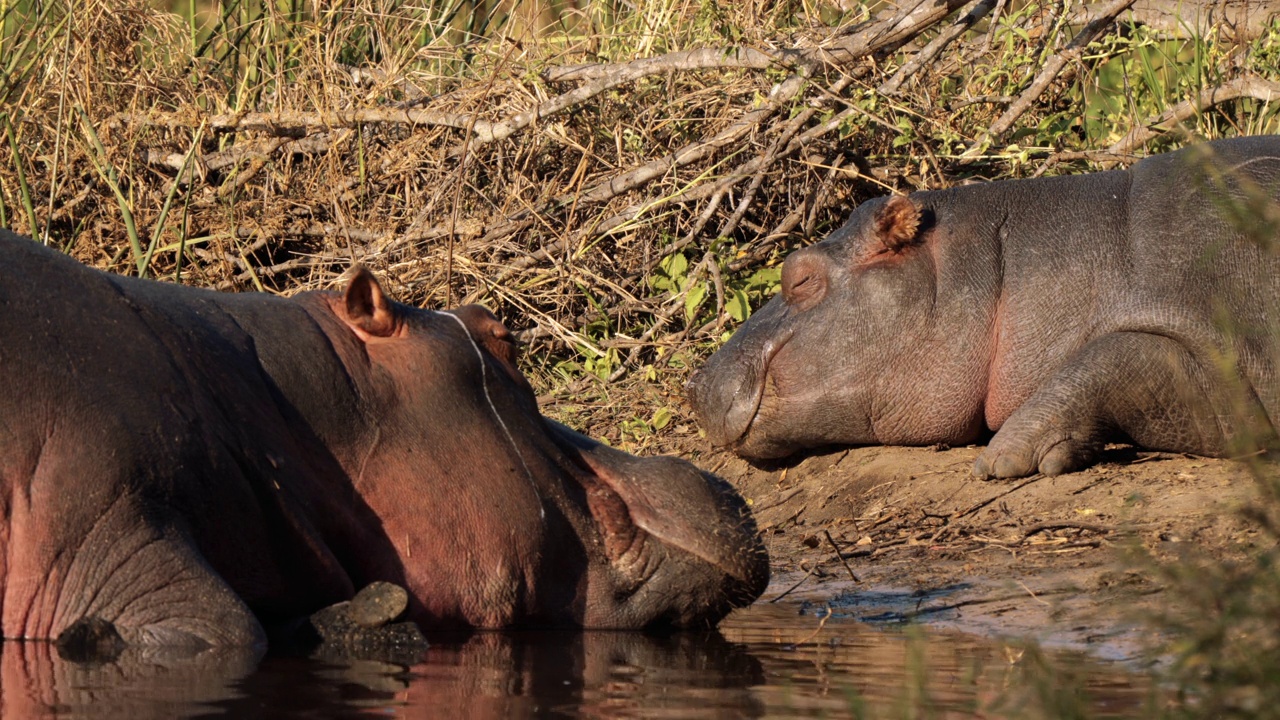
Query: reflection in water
(768, 661)
(142, 683)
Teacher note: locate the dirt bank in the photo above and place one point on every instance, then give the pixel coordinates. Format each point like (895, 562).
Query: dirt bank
(1042, 557)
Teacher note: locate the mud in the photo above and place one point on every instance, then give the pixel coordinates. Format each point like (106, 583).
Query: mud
(890, 534)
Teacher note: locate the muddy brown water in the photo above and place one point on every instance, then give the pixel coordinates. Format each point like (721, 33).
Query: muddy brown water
(771, 660)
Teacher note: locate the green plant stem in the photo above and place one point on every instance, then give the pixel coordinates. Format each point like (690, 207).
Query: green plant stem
(109, 176)
(24, 190)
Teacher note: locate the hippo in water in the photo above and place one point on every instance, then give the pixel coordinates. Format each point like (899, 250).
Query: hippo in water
(186, 467)
(1061, 313)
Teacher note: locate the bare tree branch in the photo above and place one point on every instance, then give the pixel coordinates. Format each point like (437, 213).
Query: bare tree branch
(1054, 65)
(1244, 86)
(977, 10)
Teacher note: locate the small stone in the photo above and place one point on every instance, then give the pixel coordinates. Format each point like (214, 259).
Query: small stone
(378, 604)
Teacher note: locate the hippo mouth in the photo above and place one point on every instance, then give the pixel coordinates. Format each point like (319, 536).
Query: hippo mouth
(671, 533)
(728, 399)
(626, 544)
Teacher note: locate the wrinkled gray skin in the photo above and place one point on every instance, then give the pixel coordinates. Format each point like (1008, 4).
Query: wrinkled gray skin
(1061, 313)
(191, 466)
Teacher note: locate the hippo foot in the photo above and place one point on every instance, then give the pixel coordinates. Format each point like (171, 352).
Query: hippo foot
(364, 627)
(1009, 456)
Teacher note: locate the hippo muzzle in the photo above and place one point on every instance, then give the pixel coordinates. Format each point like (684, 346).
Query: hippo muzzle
(677, 537)
(728, 392)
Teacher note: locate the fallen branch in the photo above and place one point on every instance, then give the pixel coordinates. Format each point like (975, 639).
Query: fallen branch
(1064, 525)
(245, 152)
(297, 123)
(1243, 21)
(1250, 86)
(978, 10)
(889, 33)
(695, 59)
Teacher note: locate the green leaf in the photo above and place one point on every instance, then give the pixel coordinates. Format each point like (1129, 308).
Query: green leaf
(674, 266)
(694, 299)
(765, 280)
(661, 418)
(737, 305)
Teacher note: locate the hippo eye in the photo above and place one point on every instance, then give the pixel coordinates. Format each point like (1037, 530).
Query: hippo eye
(804, 279)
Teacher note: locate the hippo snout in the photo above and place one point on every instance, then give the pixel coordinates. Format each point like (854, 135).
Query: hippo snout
(712, 557)
(727, 393)
(725, 399)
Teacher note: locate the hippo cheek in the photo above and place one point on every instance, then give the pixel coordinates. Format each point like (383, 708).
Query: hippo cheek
(804, 405)
(690, 542)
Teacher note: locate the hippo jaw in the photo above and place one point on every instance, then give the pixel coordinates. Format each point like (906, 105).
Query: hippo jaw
(681, 546)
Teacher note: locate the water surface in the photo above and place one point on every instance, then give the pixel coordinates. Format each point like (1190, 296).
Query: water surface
(766, 661)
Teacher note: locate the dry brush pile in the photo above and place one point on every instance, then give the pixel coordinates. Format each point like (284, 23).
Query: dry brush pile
(620, 188)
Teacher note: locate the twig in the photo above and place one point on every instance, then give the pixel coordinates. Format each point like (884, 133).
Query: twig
(991, 27)
(1098, 156)
(889, 33)
(1032, 594)
(843, 562)
(641, 175)
(821, 624)
(785, 497)
(992, 99)
(799, 582)
(978, 506)
(977, 10)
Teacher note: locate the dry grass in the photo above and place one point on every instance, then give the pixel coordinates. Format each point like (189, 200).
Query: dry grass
(556, 176)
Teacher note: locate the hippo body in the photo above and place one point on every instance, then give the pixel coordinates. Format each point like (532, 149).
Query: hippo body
(192, 466)
(1132, 305)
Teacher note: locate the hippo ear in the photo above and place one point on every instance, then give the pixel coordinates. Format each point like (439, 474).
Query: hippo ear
(896, 223)
(368, 312)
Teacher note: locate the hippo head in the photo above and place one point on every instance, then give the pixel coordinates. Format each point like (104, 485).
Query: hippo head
(501, 517)
(863, 345)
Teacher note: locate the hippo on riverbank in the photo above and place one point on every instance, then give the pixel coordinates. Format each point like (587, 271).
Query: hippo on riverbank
(188, 467)
(1062, 313)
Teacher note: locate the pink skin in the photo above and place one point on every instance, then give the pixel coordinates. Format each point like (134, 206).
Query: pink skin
(505, 550)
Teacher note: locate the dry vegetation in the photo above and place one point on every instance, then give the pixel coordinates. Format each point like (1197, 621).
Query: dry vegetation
(619, 180)
(620, 186)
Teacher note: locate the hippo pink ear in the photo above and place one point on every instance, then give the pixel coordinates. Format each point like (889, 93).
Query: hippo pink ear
(368, 312)
(896, 223)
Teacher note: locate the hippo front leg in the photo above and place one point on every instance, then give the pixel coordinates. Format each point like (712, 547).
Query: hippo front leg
(131, 585)
(1139, 386)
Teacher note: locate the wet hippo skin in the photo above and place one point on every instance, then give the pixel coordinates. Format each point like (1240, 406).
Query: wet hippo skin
(1059, 313)
(185, 467)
